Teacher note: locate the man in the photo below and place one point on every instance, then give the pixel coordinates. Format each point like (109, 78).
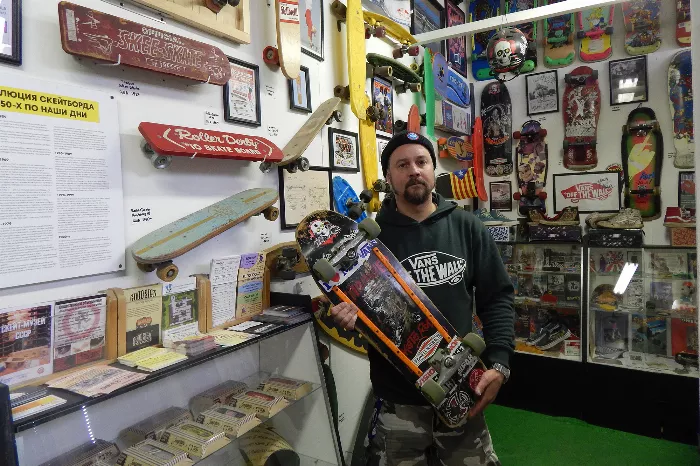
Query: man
(431, 236)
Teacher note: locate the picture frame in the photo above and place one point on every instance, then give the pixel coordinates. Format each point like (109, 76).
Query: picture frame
(300, 91)
(686, 190)
(589, 191)
(242, 94)
(542, 92)
(302, 193)
(383, 97)
(343, 150)
(501, 196)
(381, 144)
(312, 26)
(11, 36)
(456, 48)
(625, 76)
(427, 15)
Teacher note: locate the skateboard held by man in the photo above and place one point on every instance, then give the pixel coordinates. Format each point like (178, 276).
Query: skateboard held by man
(581, 113)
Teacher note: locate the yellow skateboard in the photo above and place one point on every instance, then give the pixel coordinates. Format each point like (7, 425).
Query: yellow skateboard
(287, 54)
(380, 26)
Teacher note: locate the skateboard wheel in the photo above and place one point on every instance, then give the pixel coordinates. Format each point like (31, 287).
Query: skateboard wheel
(325, 270)
(581, 34)
(167, 272)
(609, 30)
(271, 55)
(370, 227)
(292, 167)
(303, 164)
(265, 167)
(146, 148)
(146, 267)
(517, 135)
(355, 211)
(474, 341)
(289, 253)
(625, 130)
(415, 87)
(161, 161)
(287, 274)
(397, 53)
(380, 31)
(373, 113)
(271, 213)
(543, 132)
(368, 33)
(594, 144)
(442, 143)
(366, 195)
(400, 125)
(542, 195)
(433, 392)
(414, 66)
(413, 51)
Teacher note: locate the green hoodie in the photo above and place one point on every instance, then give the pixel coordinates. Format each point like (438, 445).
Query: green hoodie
(454, 259)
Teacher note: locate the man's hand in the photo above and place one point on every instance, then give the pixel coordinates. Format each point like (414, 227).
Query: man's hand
(344, 314)
(486, 390)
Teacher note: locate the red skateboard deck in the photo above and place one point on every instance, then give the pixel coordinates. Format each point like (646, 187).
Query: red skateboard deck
(581, 113)
(90, 33)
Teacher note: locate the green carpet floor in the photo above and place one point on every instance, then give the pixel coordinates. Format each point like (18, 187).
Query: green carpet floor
(522, 438)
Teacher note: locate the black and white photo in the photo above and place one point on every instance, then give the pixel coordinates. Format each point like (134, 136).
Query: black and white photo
(542, 91)
(628, 81)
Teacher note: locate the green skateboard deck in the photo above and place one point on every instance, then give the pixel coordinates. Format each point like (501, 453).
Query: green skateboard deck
(429, 93)
(411, 80)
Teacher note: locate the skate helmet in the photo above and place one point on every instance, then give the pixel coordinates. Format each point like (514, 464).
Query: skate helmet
(506, 52)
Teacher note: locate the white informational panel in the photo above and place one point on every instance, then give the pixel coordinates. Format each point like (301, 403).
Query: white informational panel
(61, 207)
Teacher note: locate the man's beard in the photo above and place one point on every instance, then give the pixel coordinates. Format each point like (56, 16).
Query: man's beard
(417, 196)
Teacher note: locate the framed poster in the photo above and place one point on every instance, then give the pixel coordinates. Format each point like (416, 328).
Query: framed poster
(304, 192)
(628, 80)
(457, 47)
(300, 91)
(381, 144)
(242, 94)
(501, 195)
(11, 31)
(686, 190)
(427, 16)
(542, 92)
(311, 16)
(383, 97)
(398, 10)
(344, 150)
(589, 191)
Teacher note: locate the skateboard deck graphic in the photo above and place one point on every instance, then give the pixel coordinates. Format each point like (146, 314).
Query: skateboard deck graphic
(396, 317)
(680, 91)
(346, 200)
(449, 84)
(529, 29)
(479, 10)
(581, 113)
(165, 141)
(469, 181)
(531, 155)
(642, 154)
(497, 125)
(413, 123)
(595, 28)
(409, 78)
(349, 338)
(288, 51)
(459, 148)
(90, 33)
(160, 247)
(559, 39)
(643, 26)
(683, 23)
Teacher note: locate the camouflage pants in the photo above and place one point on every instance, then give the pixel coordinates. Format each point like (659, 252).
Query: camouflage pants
(403, 435)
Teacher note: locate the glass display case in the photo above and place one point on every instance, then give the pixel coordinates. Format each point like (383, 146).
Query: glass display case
(642, 308)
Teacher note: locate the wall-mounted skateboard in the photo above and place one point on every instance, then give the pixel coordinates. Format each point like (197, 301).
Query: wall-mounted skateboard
(479, 10)
(595, 28)
(284, 261)
(559, 39)
(92, 34)
(468, 182)
(531, 155)
(643, 26)
(680, 91)
(408, 79)
(497, 122)
(162, 142)
(287, 54)
(683, 23)
(414, 122)
(530, 196)
(347, 202)
(581, 113)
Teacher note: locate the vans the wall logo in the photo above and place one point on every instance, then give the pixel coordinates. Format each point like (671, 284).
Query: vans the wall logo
(435, 268)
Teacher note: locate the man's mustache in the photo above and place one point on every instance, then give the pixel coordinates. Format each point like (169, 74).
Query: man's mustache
(415, 181)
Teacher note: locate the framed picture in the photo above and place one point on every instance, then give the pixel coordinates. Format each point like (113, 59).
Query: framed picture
(628, 80)
(311, 15)
(589, 191)
(383, 97)
(398, 10)
(11, 31)
(542, 92)
(686, 190)
(501, 195)
(344, 150)
(304, 192)
(457, 47)
(242, 94)
(427, 16)
(381, 144)
(300, 91)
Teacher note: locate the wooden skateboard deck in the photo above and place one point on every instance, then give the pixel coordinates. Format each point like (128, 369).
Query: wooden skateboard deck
(643, 26)
(595, 28)
(346, 200)
(357, 68)
(531, 155)
(160, 247)
(396, 317)
(413, 123)
(642, 154)
(368, 154)
(680, 91)
(350, 338)
(410, 79)
(90, 33)
(581, 113)
(180, 141)
(529, 29)
(559, 39)
(284, 261)
(479, 10)
(288, 37)
(683, 23)
(497, 124)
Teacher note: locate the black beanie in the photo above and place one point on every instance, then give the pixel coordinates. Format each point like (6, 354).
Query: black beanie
(405, 137)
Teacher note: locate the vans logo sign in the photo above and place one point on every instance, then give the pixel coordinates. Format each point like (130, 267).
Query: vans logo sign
(435, 268)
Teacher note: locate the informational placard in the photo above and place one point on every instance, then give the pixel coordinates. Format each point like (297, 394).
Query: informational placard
(224, 281)
(143, 316)
(61, 205)
(25, 343)
(180, 309)
(250, 285)
(79, 331)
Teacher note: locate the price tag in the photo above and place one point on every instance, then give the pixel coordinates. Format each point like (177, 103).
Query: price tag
(128, 88)
(141, 215)
(269, 90)
(211, 118)
(616, 109)
(671, 155)
(272, 130)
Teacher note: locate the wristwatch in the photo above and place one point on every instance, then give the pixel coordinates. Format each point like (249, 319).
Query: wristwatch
(502, 369)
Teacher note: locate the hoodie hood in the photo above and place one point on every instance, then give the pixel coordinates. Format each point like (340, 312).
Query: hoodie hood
(389, 214)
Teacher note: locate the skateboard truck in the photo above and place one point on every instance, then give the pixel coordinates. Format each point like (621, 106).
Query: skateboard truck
(288, 259)
(159, 161)
(642, 128)
(336, 115)
(405, 87)
(381, 186)
(355, 209)
(217, 5)
(580, 79)
(302, 163)
(403, 49)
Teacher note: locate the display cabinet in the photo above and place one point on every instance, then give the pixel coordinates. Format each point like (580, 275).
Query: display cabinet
(642, 310)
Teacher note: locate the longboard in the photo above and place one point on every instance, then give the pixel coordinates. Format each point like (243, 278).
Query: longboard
(497, 125)
(395, 316)
(680, 91)
(643, 26)
(162, 142)
(158, 248)
(346, 200)
(642, 154)
(581, 113)
(531, 155)
(559, 39)
(93, 34)
(683, 23)
(595, 28)
(529, 29)
(479, 10)
(288, 52)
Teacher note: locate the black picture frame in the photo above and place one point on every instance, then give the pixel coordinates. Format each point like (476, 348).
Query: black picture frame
(506, 205)
(427, 12)
(457, 57)
(316, 5)
(354, 166)
(299, 194)
(292, 83)
(545, 88)
(237, 84)
(384, 127)
(686, 196)
(628, 68)
(15, 55)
